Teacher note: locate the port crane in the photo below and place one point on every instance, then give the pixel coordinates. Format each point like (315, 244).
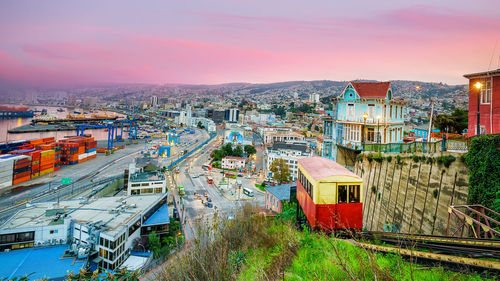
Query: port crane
(80, 129)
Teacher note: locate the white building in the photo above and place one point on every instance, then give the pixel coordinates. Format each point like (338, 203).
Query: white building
(209, 124)
(232, 115)
(146, 183)
(291, 152)
(102, 230)
(232, 162)
(314, 98)
(154, 101)
(280, 134)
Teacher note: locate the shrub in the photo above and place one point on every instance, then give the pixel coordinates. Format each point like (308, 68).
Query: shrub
(389, 158)
(398, 159)
(435, 193)
(430, 160)
(483, 162)
(378, 157)
(415, 158)
(360, 157)
(369, 157)
(374, 189)
(446, 160)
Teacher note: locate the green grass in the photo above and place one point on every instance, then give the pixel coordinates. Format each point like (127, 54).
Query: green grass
(323, 258)
(254, 247)
(259, 186)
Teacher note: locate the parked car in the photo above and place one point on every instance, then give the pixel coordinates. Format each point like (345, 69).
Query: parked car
(209, 204)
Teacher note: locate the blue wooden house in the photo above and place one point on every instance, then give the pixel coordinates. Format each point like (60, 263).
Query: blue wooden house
(364, 113)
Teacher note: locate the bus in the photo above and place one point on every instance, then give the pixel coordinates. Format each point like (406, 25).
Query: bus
(231, 175)
(210, 180)
(181, 190)
(206, 167)
(247, 192)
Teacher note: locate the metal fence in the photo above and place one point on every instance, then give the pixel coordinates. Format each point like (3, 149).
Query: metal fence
(422, 147)
(411, 147)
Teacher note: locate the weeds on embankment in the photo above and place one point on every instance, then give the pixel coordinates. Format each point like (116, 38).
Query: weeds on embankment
(250, 246)
(255, 247)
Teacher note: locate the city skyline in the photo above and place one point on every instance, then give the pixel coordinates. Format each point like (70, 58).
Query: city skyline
(68, 43)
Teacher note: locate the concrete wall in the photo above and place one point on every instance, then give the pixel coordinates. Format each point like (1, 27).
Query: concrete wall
(405, 193)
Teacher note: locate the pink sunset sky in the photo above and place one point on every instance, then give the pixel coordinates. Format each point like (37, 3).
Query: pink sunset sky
(57, 43)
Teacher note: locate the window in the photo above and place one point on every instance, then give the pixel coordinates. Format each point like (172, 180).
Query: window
(486, 93)
(352, 132)
(53, 231)
(135, 191)
(370, 135)
(350, 111)
(305, 183)
(136, 184)
(371, 111)
(147, 191)
(342, 194)
(158, 190)
(390, 112)
(145, 184)
(354, 194)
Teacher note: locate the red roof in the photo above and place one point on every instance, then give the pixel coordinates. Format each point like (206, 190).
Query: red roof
(371, 89)
(320, 168)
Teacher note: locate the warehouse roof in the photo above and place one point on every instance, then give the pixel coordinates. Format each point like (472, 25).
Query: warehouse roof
(320, 168)
(38, 263)
(147, 176)
(116, 212)
(281, 192)
(290, 146)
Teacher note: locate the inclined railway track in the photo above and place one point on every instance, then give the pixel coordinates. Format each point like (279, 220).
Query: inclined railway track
(459, 254)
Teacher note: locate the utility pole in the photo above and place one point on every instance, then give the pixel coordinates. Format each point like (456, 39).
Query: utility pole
(430, 121)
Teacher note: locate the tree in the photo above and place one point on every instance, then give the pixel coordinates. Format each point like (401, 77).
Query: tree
(238, 151)
(455, 122)
(200, 125)
(150, 167)
(227, 149)
(316, 127)
(280, 111)
(250, 150)
(281, 171)
(154, 244)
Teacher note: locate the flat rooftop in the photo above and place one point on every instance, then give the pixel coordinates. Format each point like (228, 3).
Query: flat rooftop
(38, 263)
(83, 211)
(320, 168)
(147, 176)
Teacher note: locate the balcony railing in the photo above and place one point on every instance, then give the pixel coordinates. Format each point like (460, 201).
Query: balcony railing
(412, 147)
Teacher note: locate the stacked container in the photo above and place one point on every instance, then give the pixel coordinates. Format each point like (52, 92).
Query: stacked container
(14, 145)
(57, 158)
(69, 153)
(6, 170)
(35, 160)
(22, 169)
(47, 159)
(91, 149)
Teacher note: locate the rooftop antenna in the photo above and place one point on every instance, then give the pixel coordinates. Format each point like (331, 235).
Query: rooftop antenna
(492, 55)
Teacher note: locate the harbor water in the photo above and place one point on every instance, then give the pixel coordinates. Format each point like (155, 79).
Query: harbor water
(7, 124)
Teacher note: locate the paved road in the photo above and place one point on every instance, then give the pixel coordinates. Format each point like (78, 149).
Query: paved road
(82, 174)
(195, 211)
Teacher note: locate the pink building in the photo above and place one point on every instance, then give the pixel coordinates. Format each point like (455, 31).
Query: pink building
(276, 195)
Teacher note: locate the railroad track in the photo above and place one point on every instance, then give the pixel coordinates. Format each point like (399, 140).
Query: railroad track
(459, 254)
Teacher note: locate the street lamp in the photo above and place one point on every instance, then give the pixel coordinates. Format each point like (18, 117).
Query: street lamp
(365, 116)
(478, 86)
